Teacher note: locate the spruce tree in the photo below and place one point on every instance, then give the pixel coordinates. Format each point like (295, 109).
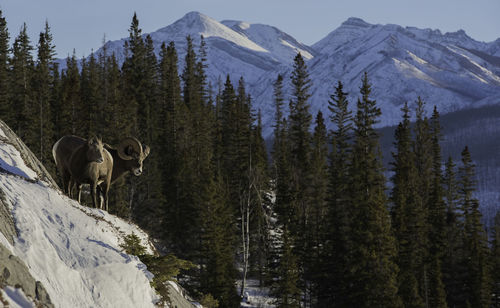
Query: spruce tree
(21, 94)
(407, 215)
(285, 289)
(372, 280)
(173, 121)
(300, 141)
(436, 218)
(281, 159)
(478, 279)
(41, 115)
(218, 273)
(260, 185)
(317, 225)
(133, 75)
(70, 96)
(336, 241)
(6, 112)
(454, 261)
(495, 262)
(90, 97)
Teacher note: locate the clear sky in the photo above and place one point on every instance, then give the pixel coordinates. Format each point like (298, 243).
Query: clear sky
(82, 24)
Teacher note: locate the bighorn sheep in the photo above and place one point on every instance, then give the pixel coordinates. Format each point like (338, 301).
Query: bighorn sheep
(128, 156)
(84, 162)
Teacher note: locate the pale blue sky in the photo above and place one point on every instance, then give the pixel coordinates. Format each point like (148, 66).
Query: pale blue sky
(81, 24)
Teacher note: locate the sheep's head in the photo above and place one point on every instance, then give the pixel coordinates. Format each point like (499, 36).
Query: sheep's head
(95, 150)
(133, 152)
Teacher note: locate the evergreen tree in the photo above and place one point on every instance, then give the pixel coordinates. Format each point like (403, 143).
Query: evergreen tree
(22, 67)
(454, 261)
(316, 227)
(70, 97)
(334, 259)
(495, 262)
(90, 97)
(372, 269)
(218, 273)
(407, 215)
(133, 77)
(281, 159)
(41, 115)
(259, 184)
(475, 240)
(6, 113)
(300, 159)
(190, 88)
(285, 289)
(436, 218)
(173, 121)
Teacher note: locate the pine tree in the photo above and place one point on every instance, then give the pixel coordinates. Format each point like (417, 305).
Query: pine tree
(454, 261)
(42, 84)
(218, 273)
(300, 140)
(407, 215)
(260, 185)
(316, 226)
(372, 269)
(285, 289)
(475, 240)
(70, 96)
(133, 77)
(22, 67)
(90, 97)
(173, 121)
(495, 262)
(281, 159)
(436, 218)
(6, 113)
(332, 289)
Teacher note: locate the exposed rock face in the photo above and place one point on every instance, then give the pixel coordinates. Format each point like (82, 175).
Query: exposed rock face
(13, 272)
(6, 222)
(29, 158)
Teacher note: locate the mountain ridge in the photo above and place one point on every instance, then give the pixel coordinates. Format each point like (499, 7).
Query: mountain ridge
(451, 70)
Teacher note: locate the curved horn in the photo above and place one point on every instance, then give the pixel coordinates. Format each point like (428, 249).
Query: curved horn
(145, 150)
(125, 145)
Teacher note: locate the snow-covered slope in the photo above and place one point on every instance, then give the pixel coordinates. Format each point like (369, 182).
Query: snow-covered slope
(449, 70)
(229, 51)
(72, 251)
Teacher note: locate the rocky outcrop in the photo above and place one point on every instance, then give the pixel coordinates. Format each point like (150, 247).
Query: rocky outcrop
(7, 227)
(29, 158)
(13, 272)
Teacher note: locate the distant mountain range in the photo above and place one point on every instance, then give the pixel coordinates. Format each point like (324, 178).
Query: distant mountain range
(450, 70)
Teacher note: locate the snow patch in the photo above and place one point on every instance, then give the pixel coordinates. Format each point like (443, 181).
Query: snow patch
(12, 162)
(16, 298)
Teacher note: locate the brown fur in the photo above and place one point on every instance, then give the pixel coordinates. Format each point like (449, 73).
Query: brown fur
(81, 161)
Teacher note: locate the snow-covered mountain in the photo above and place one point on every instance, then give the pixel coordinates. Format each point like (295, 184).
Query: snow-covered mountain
(55, 252)
(450, 70)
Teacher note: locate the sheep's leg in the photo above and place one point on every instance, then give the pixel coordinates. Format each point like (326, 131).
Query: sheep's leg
(79, 187)
(105, 191)
(93, 189)
(66, 182)
(69, 188)
(99, 196)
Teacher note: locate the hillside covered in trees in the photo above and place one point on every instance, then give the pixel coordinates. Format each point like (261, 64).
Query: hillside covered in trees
(315, 220)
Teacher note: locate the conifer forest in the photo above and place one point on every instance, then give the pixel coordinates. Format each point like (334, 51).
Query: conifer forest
(312, 214)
